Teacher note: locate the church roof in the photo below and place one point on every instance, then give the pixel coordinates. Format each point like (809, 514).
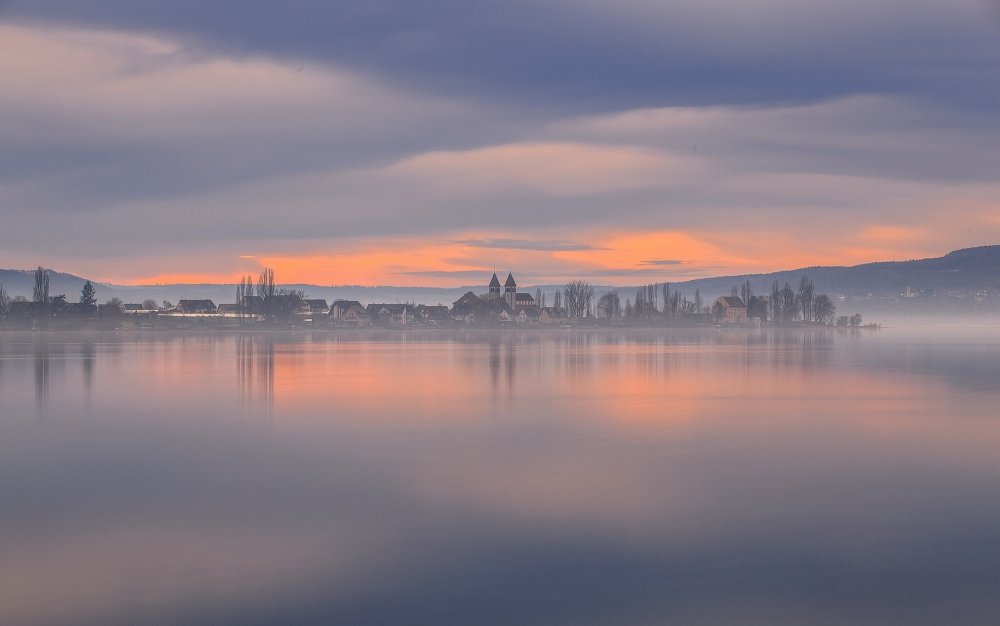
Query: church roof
(494, 282)
(510, 281)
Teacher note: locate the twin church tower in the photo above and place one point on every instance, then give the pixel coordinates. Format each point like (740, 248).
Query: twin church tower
(510, 295)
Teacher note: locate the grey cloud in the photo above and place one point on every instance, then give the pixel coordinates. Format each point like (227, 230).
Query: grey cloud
(662, 262)
(598, 57)
(292, 168)
(525, 244)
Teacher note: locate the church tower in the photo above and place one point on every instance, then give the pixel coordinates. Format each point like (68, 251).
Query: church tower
(510, 291)
(494, 288)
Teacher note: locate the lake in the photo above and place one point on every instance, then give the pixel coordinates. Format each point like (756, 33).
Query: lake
(567, 477)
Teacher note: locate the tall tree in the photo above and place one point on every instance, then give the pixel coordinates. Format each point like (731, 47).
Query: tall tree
(805, 298)
(609, 306)
(557, 299)
(675, 303)
(244, 291)
(578, 296)
(266, 290)
(88, 295)
(823, 309)
(775, 302)
(789, 304)
(4, 301)
(41, 292)
(538, 296)
(698, 304)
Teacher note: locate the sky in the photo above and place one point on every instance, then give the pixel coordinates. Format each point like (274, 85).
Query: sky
(426, 143)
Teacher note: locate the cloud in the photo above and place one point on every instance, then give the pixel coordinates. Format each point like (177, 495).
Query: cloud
(174, 148)
(662, 262)
(551, 168)
(587, 57)
(462, 274)
(524, 244)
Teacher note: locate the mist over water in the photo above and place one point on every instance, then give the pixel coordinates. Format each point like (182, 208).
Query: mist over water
(608, 477)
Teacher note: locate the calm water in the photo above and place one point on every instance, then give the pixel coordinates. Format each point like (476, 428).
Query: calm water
(702, 477)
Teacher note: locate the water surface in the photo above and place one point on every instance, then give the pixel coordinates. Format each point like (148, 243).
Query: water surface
(607, 477)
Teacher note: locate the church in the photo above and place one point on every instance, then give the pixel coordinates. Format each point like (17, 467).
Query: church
(513, 300)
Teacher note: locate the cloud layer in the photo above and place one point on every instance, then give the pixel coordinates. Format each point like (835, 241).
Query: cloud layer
(424, 143)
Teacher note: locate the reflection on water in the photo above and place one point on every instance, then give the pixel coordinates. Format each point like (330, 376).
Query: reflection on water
(701, 477)
(255, 371)
(41, 362)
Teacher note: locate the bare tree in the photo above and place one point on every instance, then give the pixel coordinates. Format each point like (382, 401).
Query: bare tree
(578, 296)
(805, 298)
(4, 301)
(557, 300)
(823, 309)
(746, 292)
(609, 306)
(149, 304)
(538, 297)
(675, 303)
(698, 304)
(775, 302)
(41, 292)
(789, 304)
(266, 290)
(244, 291)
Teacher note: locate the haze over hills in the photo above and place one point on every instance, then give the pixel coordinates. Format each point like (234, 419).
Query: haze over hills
(962, 272)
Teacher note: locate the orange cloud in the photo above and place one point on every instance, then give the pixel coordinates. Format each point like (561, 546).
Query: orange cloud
(615, 258)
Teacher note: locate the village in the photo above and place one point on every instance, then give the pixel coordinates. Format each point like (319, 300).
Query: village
(262, 305)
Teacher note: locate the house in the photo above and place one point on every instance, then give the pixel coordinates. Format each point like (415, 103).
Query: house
(528, 315)
(469, 307)
(316, 305)
(432, 314)
(356, 316)
(730, 310)
(392, 314)
(196, 306)
(552, 315)
(253, 305)
(340, 307)
(228, 309)
(134, 308)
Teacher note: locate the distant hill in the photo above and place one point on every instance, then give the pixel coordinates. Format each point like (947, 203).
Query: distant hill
(968, 270)
(22, 283)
